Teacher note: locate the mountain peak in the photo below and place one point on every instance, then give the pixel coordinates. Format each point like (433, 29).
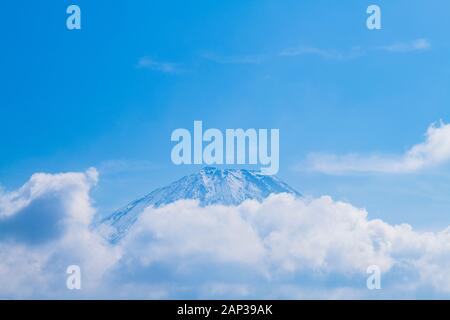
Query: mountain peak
(210, 186)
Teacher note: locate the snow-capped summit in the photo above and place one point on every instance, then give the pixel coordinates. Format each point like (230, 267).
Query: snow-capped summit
(229, 187)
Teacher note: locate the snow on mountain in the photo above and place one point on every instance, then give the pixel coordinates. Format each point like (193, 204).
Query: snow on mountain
(210, 186)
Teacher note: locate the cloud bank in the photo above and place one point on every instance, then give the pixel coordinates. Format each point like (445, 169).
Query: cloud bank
(281, 248)
(434, 151)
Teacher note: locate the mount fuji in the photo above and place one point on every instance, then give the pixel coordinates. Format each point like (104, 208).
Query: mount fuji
(210, 186)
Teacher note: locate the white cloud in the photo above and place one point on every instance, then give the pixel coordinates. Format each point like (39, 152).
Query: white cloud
(45, 227)
(184, 229)
(161, 66)
(331, 54)
(434, 151)
(73, 185)
(280, 248)
(282, 234)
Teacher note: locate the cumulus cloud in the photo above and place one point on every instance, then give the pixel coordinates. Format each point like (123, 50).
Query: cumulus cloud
(434, 151)
(283, 247)
(44, 228)
(68, 185)
(184, 229)
(280, 239)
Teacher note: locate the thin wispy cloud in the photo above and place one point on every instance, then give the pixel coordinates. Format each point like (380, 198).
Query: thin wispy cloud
(161, 66)
(235, 59)
(331, 54)
(434, 151)
(415, 45)
(421, 44)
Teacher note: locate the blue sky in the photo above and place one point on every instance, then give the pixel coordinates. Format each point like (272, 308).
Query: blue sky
(109, 96)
